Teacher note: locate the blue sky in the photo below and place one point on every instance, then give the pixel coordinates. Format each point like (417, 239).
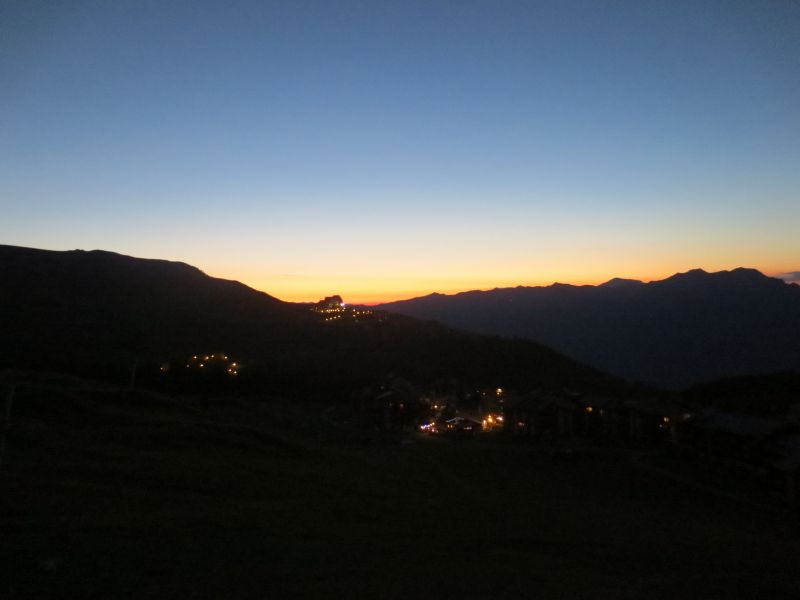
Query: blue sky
(381, 150)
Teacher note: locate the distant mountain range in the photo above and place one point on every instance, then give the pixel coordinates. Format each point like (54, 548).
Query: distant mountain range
(100, 312)
(688, 328)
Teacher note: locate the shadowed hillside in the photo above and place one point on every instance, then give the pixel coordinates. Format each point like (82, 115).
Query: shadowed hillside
(108, 493)
(760, 395)
(100, 313)
(691, 327)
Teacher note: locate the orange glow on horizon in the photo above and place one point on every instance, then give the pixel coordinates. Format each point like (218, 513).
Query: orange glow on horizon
(372, 290)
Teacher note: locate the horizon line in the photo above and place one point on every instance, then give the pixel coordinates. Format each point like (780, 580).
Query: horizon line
(424, 287)
(793, 279)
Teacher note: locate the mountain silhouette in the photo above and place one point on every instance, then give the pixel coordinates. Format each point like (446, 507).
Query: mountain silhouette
(618, 282)
(97, 313)
(688, 328)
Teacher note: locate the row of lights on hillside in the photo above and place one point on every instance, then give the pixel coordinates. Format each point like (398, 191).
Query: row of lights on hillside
(200, 361)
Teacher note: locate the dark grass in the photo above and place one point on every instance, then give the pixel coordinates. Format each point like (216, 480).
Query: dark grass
(111, 494)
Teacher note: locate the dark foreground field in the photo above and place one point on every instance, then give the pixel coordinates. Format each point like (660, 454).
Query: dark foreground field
(111, 494)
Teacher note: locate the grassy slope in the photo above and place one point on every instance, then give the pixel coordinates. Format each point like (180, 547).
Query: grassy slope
(107, 494)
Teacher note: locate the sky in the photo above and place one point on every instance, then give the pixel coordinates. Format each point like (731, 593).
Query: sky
(385, 150)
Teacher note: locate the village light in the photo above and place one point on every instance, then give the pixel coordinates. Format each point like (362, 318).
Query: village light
(589, 409)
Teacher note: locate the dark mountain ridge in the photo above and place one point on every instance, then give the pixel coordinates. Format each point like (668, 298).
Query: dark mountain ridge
(691, 327)
(100, 312)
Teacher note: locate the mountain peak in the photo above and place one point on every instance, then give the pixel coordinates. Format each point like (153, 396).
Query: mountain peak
(692, 274)
(739, 274)
(748, 273)
(689, 277)
(619, 282)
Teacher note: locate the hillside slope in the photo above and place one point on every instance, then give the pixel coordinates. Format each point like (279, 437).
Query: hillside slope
(84, 312)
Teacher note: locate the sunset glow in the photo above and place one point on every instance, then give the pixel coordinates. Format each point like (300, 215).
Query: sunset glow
(385, 153)
(377, 289)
